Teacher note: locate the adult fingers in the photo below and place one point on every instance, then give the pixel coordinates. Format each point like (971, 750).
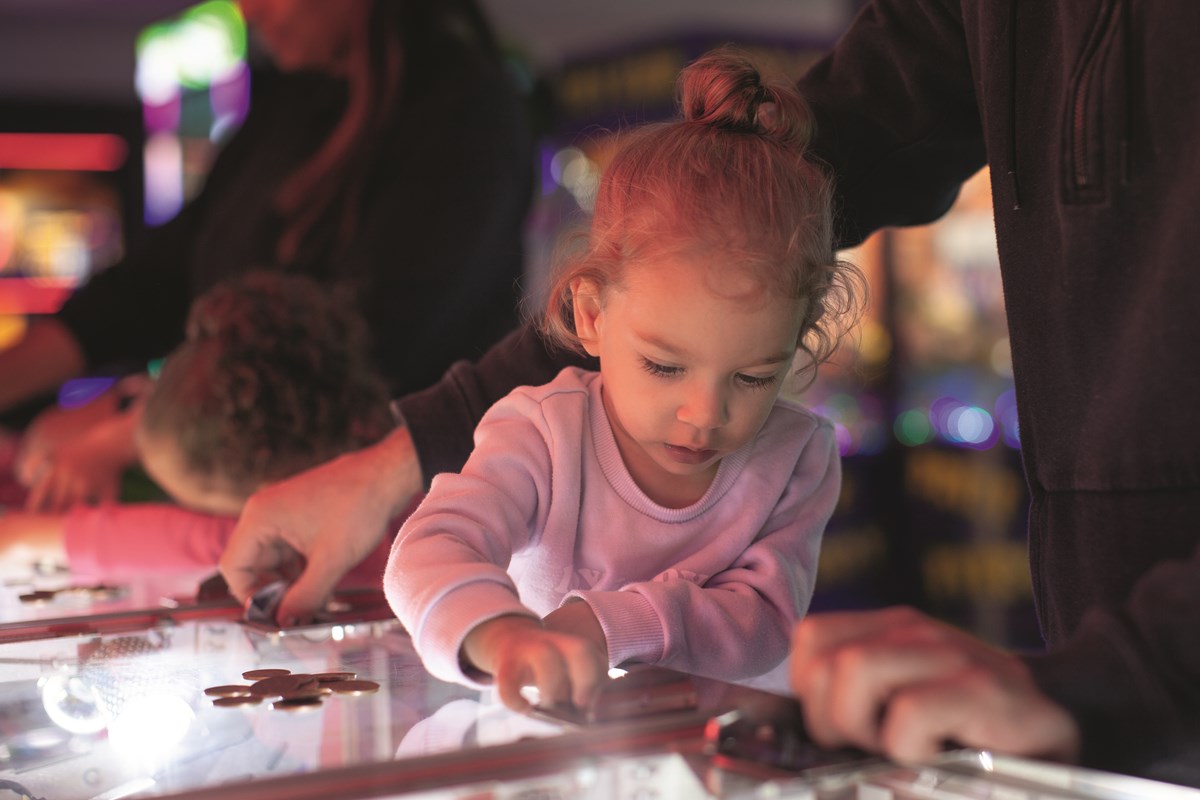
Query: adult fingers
(310, 591)
(252, 556)
(843, 666)
(864, 678)
(979, 707)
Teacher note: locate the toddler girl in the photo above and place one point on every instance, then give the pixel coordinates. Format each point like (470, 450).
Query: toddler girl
(669, 509)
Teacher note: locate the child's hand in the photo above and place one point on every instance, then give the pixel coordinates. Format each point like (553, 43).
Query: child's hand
(566, 668)
(86, 469)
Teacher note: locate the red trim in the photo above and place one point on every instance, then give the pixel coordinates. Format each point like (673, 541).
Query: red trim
(89, 152)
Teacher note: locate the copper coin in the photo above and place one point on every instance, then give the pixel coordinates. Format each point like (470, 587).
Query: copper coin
(230, 690)
(306, 691)
(259, 674)
(353, 687)
(329, 677)
(297, 704)
(239, 700)
(276, 686)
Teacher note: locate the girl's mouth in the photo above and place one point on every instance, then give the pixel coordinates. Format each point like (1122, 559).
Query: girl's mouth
(686, 455)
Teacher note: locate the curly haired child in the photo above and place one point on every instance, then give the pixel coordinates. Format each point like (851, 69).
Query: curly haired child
(273, 377)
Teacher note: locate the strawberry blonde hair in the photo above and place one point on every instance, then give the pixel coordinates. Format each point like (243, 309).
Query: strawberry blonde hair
(731, 182)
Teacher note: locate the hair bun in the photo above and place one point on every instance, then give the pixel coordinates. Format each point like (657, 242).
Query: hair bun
(725, 89)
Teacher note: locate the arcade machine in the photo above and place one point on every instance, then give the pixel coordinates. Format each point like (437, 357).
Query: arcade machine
(203, 699)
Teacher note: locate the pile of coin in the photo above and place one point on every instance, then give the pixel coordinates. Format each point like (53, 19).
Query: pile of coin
(98, 592)
(291, 691)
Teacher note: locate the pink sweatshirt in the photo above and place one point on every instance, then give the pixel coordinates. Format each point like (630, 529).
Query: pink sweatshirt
(545, 510)
(123, 541)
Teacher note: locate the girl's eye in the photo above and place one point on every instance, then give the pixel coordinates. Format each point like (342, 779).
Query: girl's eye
(756, 381)
(660, 370)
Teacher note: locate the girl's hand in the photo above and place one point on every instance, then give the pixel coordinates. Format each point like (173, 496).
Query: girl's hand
(565, 667)
(902, 684)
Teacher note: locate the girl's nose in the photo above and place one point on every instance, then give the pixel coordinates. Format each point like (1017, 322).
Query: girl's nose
(704, 408)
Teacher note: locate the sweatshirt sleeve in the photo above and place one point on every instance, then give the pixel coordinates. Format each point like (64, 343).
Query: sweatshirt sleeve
(1129, 675)
(896, 115)
(119, 540)
(447, 572)
(737, 624)
(442, 418)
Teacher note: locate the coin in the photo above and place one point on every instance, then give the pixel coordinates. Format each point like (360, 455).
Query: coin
(38, 596)
(258, 674)
(329, 677)
(277, 685)
(353, 687)
(229, 690)
(239, 700)
(306, 691)
(297, 704)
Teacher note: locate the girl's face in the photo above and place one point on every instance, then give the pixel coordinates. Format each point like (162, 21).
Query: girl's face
(307, 34)
(164, 463)
(689, 375)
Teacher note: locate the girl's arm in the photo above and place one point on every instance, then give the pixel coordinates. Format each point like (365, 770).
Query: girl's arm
(738, 623)
(447, 573)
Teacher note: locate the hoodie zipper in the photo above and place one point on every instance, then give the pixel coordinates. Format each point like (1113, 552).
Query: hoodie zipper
(1083, 173)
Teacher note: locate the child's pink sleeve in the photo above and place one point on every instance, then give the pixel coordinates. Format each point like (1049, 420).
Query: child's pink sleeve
(114, 540)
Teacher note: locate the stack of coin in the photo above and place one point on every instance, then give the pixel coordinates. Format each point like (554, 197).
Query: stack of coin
(295, 691)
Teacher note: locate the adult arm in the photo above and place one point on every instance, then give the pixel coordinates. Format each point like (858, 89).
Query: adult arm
(896, 115)
(442, 418)
(315, 526)
(1128, 675)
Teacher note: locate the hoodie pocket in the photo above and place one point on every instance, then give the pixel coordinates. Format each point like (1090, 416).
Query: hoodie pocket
(1091, 100)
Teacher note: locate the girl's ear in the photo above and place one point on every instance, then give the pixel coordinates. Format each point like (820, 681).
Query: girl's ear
(585, 295)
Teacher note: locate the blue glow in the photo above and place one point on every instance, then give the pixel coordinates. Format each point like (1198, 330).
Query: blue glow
(81, 391)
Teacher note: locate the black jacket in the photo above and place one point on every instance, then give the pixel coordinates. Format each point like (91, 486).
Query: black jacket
(1087, 112)
(436, 257)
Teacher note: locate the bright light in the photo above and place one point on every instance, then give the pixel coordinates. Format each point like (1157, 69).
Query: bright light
(202, 47)
(970, 425)
(147, 727)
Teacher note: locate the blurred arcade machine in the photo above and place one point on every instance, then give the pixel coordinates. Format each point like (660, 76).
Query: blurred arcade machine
(77, 183)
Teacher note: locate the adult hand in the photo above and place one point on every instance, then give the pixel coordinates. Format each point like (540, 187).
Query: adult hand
(316, 526)
(900, 683)
(517, 651)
